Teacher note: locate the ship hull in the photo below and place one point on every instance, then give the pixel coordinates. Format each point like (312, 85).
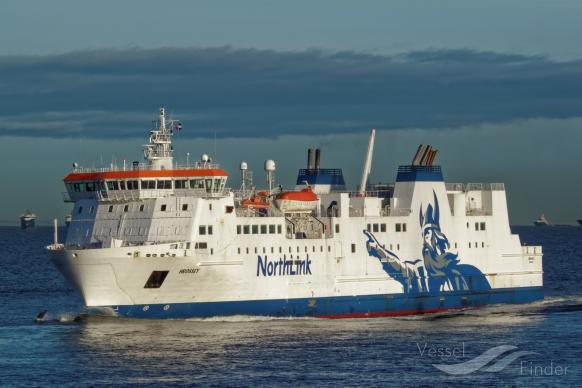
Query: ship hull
(364, 306)
(27, 223)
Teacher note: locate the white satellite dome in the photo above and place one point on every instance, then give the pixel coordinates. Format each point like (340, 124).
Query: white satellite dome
(270, 165)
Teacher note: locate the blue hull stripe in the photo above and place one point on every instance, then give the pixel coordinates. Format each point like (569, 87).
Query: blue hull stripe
(332, 307)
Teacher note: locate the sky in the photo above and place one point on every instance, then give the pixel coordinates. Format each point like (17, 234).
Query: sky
(496, 86)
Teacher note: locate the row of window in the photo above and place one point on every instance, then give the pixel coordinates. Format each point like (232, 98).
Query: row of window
(205, 229)
(272, 250)
(209, 184)
(478, 226)
(382, 228)
(259, 229)
(477, 244)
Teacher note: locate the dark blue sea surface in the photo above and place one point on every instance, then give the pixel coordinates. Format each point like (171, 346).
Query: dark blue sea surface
(545, 338)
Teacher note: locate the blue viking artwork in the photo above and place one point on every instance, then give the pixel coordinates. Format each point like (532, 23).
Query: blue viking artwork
(439, 269)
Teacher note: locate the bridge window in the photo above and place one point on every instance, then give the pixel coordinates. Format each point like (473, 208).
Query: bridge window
(196, 183)
(255, 229)
(164, 185)
(208, 185)
(263, 229)
(148, 185)
(271, 229)
(132, 185)
(112, 185)
(90, 186)
(217, 184)
(246, 229)
(180, 184)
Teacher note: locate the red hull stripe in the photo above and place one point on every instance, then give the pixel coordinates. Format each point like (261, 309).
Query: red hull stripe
(94, 176)
(377, 314)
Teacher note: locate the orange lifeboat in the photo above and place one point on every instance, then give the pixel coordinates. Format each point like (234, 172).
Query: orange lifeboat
(303, 201)
(256, 202)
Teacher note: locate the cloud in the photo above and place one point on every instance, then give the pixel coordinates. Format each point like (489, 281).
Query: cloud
(227, 92)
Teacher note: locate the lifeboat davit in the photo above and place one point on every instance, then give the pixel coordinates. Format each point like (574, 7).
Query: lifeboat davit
(303, 201)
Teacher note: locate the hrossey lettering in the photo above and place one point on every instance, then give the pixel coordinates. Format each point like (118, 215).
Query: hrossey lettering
(283, 267)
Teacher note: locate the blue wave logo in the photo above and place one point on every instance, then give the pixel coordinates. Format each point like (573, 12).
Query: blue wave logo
(484, 362)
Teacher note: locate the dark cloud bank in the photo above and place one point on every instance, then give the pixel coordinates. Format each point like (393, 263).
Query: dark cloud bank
(260, 93)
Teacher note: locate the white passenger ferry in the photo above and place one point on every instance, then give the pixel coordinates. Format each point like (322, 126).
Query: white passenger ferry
(160, 240)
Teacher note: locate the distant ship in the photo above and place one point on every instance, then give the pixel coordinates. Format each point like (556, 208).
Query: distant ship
(542, 221)
(27, 220)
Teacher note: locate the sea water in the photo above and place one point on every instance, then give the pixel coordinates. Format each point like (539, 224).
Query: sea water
(538, 344)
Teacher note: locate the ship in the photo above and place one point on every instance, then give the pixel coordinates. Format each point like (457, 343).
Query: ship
(542, 221)
(156, 239)
(27, 220)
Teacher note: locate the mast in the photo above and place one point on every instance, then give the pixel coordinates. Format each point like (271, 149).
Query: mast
(158, 152)
(367, 162)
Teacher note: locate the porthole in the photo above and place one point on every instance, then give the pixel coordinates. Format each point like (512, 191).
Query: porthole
(146, 308)
(166, 307)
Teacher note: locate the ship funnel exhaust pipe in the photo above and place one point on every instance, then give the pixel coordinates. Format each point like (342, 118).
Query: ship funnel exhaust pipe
(309, 159)
(317, 159)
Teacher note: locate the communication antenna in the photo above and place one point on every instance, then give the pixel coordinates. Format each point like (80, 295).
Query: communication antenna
(247, 178)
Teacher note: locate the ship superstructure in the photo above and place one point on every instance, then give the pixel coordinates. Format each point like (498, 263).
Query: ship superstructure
(27, 220)
(166, 241)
